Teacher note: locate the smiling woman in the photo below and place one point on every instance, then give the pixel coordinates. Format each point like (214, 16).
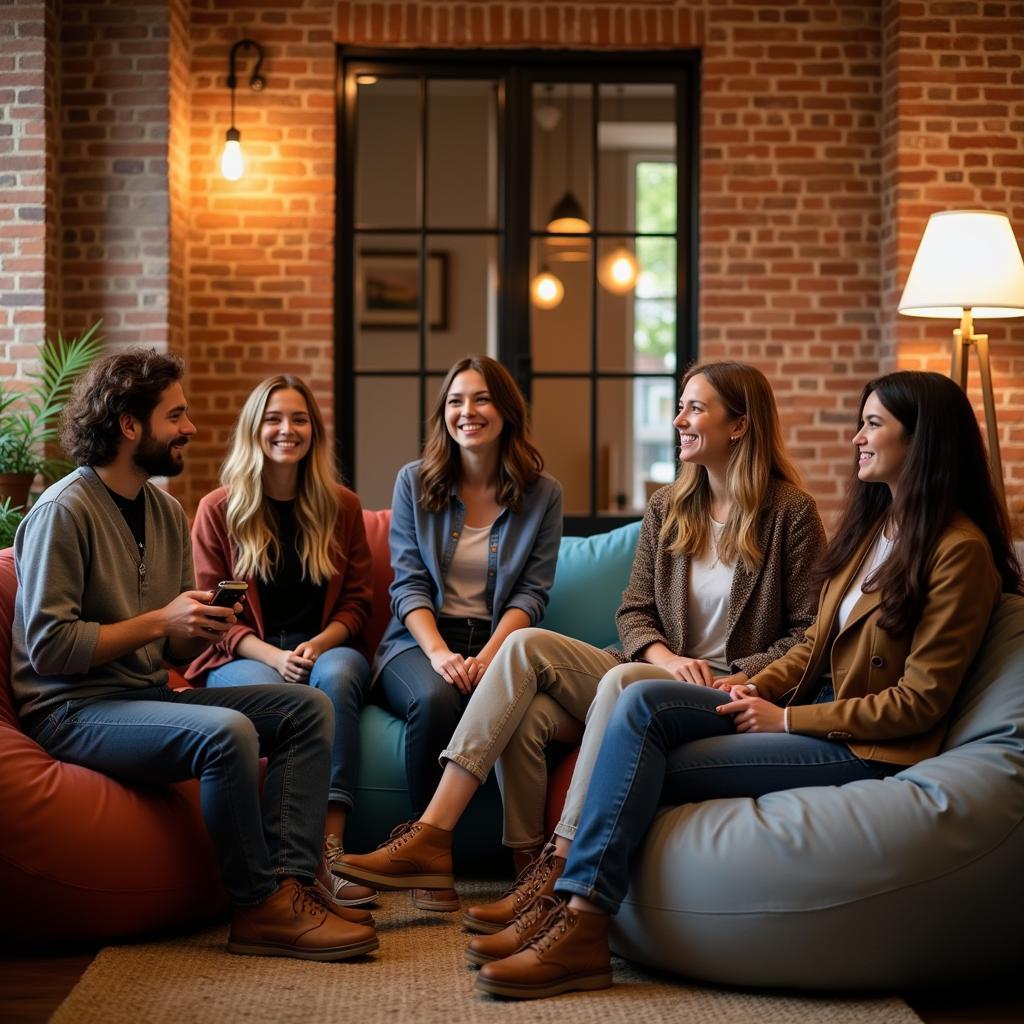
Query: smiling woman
(284, 524)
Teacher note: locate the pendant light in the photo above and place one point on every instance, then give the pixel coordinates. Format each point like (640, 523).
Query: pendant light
(567, 214)
(618, 270)
(546, 290)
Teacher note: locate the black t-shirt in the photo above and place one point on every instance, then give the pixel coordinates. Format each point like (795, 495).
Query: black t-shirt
(134, 512)
(290, 603)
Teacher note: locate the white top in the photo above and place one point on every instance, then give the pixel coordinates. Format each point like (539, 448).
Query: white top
(710, 587)
(465, 584)
(872, 560)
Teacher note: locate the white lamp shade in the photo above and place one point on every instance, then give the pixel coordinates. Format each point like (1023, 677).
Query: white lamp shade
(967, 259)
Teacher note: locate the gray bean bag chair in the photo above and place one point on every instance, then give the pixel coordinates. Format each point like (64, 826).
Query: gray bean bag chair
(908, 881)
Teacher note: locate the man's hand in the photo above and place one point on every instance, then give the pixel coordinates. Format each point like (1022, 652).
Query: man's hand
(190, 616)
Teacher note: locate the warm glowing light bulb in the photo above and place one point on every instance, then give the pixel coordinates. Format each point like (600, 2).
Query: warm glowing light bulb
(547, 290)
(231, 163)
(618, 271)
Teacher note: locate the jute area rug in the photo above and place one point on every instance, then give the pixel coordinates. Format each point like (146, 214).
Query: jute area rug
(418, 975)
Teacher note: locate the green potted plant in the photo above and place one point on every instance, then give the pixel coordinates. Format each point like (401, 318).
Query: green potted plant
(28, 419)
(11, 516)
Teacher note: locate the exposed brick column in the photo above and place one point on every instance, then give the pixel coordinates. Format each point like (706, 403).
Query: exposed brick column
(23, 183)
(113, 168)
(955, 94)
(260, 258)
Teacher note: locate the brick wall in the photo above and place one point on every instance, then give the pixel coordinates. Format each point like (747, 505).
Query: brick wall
(829, 132)
(954, 83)
(23, 183)
(259, 257)
(114, 256)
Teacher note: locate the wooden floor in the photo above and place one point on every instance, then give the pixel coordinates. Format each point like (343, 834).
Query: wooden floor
(32, 987)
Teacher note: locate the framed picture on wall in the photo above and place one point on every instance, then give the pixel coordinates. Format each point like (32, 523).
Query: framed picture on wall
(388, 290)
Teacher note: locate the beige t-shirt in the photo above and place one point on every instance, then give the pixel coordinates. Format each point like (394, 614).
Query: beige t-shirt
(710, 586)
(465, 584)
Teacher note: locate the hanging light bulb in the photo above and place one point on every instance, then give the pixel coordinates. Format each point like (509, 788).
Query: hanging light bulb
(618, 271)
(567, 214)
(546, 290)
(232, 164)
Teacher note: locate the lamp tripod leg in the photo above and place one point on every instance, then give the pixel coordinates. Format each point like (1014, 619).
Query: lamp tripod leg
(988, 394)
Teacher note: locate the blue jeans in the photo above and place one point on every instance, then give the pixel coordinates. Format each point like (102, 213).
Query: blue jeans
(666, 744)
(430, 705)
(156, 736)
(343, 674)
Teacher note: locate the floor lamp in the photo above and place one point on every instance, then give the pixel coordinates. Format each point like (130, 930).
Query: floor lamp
(968, 265)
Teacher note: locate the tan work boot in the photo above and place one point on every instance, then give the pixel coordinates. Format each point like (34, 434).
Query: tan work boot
(568, 954)
(440, 901)
(340, 891)
(538, 879)
(417, 856)
(485, 948)
(295, 923)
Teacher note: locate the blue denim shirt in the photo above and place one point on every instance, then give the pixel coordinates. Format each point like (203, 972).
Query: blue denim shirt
(522, 552)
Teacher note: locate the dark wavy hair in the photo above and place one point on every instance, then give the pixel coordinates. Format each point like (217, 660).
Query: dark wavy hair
(130, 381)
(945, 471)
(519, 462)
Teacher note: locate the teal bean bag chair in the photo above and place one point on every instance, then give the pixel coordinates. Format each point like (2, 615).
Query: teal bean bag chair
(590, 576)
(913, 880)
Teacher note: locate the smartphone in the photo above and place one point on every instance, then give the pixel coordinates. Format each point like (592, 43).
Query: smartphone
(229, 592)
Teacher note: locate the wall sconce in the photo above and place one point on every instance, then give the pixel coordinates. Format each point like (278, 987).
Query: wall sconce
(231, 163)
(968, 265)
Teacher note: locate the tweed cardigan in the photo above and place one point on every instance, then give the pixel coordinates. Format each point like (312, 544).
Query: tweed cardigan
(347, 596)
(769, 609)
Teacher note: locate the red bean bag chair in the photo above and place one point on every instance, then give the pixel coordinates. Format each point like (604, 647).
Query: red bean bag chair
(82, 855)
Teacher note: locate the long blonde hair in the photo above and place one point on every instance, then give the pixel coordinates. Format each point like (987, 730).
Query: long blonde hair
(756, 458)
(251, 523)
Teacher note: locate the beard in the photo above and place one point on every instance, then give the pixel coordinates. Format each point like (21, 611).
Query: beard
(156, 458)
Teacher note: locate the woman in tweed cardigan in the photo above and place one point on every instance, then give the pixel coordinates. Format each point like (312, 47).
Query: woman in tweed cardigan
(720, 587)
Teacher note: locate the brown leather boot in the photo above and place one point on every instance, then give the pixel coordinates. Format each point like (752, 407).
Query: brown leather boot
(485, 948)
(295, 923)
(440, 901)
(417, 856)
(568, 954)
(522, 859)
(538, 879)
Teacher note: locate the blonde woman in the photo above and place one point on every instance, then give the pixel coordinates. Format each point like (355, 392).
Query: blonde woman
(721, 586)
(283, 523)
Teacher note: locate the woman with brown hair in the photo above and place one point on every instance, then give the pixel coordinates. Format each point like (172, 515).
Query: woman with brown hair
(721, 586)
(474, 538)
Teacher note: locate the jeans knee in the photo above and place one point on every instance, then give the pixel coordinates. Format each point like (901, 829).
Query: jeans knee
(437, 709)
(234, 736)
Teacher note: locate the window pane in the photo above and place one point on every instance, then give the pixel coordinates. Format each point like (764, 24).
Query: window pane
(560, 420)
(462, 154)
(387, 434)
(386, 294)
(387, 137)
(463, 288)
(560, 335)
(636, 123)
(654, 305)
(562, 141)
(635, 440)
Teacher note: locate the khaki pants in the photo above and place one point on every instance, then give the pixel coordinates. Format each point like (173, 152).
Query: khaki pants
(540, 687)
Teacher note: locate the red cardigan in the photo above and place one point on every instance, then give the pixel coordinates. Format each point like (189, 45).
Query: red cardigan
(348, 595)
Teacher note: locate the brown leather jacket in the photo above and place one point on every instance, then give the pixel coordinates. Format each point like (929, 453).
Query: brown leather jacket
(893, 694)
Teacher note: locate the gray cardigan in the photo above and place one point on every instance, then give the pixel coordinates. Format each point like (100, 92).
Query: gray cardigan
(79, 568)
(768, 609)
